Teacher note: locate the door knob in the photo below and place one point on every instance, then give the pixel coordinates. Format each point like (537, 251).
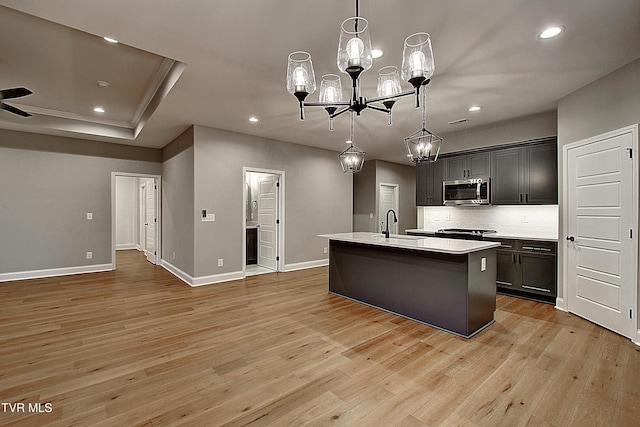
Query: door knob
(571, 238)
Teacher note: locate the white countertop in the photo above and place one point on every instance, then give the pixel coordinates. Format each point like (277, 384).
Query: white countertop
(501, 235)
(429, 244)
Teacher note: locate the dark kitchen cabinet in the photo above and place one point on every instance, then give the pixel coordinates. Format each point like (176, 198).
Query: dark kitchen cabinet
(527, 268)
(252, 245)
(429, 177)
(525, 174)
(473, 165)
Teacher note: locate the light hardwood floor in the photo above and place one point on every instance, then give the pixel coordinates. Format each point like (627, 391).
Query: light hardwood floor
(137, 346)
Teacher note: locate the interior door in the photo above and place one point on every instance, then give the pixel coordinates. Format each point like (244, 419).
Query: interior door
(388, 200)
(601, 255)
(150, 221)
(268, 221)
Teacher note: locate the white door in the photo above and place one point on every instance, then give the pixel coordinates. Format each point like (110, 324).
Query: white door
(150, 221)
(601, 254)
(388, 200)
(268, 221)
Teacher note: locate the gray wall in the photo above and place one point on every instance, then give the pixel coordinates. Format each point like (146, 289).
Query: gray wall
(49, 183)
(178, 202)
(366, 194)
(405, 177)
(522, 129)
(607, 104)
(318, 197)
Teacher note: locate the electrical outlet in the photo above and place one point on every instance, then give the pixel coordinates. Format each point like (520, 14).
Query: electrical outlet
(325, 250)
(174, 255)
(89, 215)
(483, 264)
(525, 218)
(220, 262)
(89, 255)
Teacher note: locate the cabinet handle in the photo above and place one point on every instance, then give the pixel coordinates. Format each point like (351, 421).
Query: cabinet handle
(520, 198)
(536, 289)
(533, 248)
(513, 258)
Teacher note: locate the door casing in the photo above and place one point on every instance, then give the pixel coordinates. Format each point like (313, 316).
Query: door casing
(563, 245)
(158, 191)
(280, 233)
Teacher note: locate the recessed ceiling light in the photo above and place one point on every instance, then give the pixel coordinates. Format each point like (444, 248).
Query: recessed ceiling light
(253, 119)
(98, 110)
(475, 108)
(377, 53)
(103, 84)
(110, 40)
(551, 32)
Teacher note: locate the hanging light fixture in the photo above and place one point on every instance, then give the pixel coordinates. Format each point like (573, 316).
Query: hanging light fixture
(355, 57)
(423, 146)
(352, 159)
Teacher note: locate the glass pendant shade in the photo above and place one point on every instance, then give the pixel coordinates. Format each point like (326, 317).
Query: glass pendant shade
(389, 81)
(354, 46)
(417, 59)
(352, 159)
(300, 76)
(423, 146)
(330, 89)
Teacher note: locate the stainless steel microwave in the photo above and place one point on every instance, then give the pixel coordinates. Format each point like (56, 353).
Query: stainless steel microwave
(472, 191)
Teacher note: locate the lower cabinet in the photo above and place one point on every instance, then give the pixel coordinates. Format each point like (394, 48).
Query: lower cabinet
(527, 268)
(252, 245)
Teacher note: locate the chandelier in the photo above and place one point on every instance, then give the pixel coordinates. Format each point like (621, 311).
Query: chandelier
(355, 57)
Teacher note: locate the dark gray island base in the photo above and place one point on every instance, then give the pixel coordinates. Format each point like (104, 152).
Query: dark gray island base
(449, 291)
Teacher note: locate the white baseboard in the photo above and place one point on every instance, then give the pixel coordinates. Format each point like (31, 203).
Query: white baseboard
(125, 246)
(202, 280)
(306, 264)
(54, 272)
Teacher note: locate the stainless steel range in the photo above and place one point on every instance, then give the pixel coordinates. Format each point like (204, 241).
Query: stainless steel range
(463, 233)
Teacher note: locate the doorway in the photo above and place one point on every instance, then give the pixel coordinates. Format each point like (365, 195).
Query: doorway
(136, 215)
(263, 221)
(600, 224)
(388, 199)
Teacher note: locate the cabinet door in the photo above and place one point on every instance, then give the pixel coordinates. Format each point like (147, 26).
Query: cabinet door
(541, 172)
(506, 269)
(478, 165)
(423, 184)
(429, 178)
(456, 168)
(538, 273)
(506, 176)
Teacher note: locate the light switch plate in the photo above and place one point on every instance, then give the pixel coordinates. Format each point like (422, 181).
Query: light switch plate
(89, 215)
(483, 264)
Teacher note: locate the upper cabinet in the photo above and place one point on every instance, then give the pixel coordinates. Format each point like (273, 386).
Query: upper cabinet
(473, 165)
(429, 178)
(526, 174)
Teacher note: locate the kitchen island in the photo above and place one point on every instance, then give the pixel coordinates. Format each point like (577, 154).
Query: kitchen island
(446, 283)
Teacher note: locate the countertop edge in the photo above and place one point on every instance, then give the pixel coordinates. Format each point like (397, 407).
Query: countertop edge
(439, 245)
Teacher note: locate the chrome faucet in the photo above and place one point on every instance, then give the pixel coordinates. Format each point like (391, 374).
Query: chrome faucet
(395, 219)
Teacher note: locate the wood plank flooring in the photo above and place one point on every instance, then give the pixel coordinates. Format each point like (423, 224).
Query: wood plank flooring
(138, 347)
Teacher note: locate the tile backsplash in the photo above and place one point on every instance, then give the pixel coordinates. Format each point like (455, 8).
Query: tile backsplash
(518, 220)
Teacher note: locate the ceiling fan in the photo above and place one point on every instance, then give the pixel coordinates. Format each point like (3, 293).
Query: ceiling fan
(16, 92)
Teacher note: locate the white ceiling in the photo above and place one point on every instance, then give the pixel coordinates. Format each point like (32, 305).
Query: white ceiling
(486, 52)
